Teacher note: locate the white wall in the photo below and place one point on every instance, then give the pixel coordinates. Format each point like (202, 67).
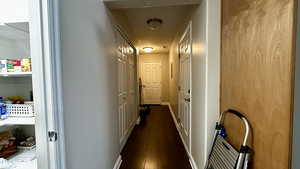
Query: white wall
(14, 49)
(213, 33)
(205, 77)
(15, 87)
(89, 74)
(199, 82)
(173, 86)
(6, 48)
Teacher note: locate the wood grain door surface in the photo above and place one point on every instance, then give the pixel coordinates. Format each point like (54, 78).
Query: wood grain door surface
(257, 65)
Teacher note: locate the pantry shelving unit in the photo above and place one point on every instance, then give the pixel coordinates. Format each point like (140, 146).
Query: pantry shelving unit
(16, 45)
(24, 159)
(18, 121)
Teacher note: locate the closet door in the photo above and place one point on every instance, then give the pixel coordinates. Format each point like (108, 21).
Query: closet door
(124, 75)
(121, 100)
(185, 49)
(131, 87)
(122, 81)
(127, 87)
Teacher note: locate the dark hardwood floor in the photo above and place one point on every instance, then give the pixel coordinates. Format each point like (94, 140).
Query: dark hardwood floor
(155, 144)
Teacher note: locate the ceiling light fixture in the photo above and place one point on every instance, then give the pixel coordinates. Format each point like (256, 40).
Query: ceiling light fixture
(148, 49)
(154, 23)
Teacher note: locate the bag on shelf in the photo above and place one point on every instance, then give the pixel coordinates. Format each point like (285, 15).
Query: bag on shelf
(8, 144)
(26, 65)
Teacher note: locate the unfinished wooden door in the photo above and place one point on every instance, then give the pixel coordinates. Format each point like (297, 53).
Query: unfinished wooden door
(184, 95)
(151, 78)
(257, 76)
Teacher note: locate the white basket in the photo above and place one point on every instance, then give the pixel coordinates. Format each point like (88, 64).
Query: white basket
(20, 110)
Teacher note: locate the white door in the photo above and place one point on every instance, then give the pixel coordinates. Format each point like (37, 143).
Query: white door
(131, 89)
(123, 86)
(151, 79)
(122, 96)
(185, 52)
(127, 89)
(47, 86)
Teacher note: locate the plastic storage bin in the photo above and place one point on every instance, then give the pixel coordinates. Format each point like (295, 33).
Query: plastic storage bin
(20, 110)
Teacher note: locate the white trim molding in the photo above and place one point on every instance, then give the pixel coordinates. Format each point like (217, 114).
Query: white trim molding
(127, 135)
(118, 162)
(193, 163)
(138, 121)
(191, 159)
(45, 51)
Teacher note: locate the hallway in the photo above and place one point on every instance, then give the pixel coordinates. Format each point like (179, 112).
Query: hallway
(155, 144)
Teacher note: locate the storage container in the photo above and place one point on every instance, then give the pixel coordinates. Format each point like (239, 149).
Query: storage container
(20, 110)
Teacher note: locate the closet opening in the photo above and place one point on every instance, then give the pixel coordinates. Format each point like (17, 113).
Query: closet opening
(17, 123)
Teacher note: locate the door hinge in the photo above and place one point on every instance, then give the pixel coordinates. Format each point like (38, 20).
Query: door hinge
(52, 135)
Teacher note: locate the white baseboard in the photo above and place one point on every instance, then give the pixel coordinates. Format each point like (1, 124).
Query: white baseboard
(128, 133)
(118, 162)
(191, 159)
(178, 129)
(138, 121)
(193, 163)
(174, 117)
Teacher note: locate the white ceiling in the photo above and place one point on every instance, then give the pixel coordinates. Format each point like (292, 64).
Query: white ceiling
(173, 18)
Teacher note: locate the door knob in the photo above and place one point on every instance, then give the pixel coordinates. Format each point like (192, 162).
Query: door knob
(187, 99)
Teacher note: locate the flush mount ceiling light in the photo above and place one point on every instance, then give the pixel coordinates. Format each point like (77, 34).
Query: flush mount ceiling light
(148, 49)
(154, 23)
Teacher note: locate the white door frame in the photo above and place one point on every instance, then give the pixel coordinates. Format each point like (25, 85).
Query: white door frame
(45, 51)
(188, 29)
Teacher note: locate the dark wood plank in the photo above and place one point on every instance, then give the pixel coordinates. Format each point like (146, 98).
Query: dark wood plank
(155, 144)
